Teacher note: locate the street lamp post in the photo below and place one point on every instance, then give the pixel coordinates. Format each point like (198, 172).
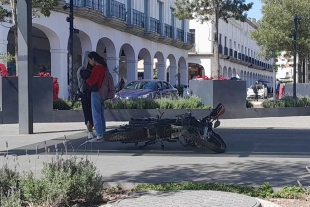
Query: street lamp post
(71, 34)
(296, 21)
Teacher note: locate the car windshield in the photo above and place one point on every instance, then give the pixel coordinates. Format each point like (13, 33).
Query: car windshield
(140, 85)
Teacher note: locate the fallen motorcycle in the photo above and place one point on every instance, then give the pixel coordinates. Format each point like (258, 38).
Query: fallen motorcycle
(195, 132)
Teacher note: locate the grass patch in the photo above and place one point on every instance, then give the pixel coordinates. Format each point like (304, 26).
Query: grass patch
(264, 191)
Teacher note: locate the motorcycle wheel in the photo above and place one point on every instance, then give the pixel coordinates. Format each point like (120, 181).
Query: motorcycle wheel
(214, 143)
(126, 135)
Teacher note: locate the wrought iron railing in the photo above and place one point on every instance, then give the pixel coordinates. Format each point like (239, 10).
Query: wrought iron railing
(95, 5)
(118, 10)
(168, 31)
(155, 25)
(180, 34)
(190, 38)
(138, 18)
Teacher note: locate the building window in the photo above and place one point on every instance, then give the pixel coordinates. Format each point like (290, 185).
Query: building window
(220, 39)
(245, 51)
(225, 41)
(235, 45)
(238, 47)
(160, 11)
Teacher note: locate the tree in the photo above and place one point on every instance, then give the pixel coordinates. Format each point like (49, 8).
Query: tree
(212, 10)
(8, 13)
(277, 26)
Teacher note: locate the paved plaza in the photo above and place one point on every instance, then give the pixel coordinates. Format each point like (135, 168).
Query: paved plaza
(274, 150)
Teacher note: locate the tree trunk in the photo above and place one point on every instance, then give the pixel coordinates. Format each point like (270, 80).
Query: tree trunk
(216, 66)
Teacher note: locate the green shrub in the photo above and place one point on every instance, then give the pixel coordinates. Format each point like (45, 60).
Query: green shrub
(287, 102)
(192, 102)
(249, 104)
(9, 192)
(64, 181)
(62, 104)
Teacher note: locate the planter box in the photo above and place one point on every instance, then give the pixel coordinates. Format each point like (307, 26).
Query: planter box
(232, 94)
(277, 112)
(58, 116)
(42, 99)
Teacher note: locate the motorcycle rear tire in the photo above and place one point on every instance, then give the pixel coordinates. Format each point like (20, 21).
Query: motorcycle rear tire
(214, 143)
(136, 134)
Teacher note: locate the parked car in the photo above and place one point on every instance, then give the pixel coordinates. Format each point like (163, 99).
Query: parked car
(148, 89)
(262, 92)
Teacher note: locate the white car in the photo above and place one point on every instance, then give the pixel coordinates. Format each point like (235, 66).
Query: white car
(262, 92)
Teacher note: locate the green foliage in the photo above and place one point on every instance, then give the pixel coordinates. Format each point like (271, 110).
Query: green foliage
(264, 191)
(249, 104)
(62, 104)
(43, 7)
(63, 182)
(7, 57)
(277, 24)
(205, 10)
(192, 102)
(9, 194)
(287, 102)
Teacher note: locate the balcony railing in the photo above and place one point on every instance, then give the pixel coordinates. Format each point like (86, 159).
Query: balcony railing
(231, 52)
(190, 38)
(155, 25)
(180, 34)
(226, 51)
(98, 6)
(138, 18)
(220, 49)
(168, 31)
(118, 10)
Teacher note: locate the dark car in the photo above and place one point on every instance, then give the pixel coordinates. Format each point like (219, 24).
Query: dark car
(147, 89)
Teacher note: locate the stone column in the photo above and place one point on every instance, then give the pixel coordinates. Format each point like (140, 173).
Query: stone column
(132, 71)
(112, 63)
(148, 70)
(59, 69)
(184, 76)
(162, 72)
(172, 74)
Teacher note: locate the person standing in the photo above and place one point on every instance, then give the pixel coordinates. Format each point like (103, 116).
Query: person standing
(277, 88)
(255, 90)
(95, 82)
(83, 73)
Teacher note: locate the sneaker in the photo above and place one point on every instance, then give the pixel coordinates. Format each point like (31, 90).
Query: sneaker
(100, 138)
(89, 126)
(90, 135)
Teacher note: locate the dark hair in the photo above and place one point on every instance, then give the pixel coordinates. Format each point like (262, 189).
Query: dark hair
(89, 66)
(98, 59)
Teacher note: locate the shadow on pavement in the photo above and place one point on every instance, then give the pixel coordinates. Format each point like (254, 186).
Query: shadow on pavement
(238, 173)
(240, 143)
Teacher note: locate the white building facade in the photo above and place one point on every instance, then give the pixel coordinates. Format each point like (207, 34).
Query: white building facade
(238, 52)
(124, 32)
(285, 70)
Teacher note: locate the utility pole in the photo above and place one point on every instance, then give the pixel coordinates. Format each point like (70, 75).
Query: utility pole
(296, 21)
(71, 41)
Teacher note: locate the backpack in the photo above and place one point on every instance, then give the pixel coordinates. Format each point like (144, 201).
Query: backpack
(107, 89)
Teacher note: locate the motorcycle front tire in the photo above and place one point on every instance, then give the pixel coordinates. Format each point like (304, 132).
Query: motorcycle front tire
(216, 143)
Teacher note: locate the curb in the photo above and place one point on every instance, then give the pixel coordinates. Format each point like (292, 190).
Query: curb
(264, 203)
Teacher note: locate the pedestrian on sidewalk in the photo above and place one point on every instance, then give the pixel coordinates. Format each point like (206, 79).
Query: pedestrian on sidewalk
(255, 90)
(84, 73)
(277, 88)
(95, 82)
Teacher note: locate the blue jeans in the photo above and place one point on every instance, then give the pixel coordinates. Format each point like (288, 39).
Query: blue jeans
(97, 107)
